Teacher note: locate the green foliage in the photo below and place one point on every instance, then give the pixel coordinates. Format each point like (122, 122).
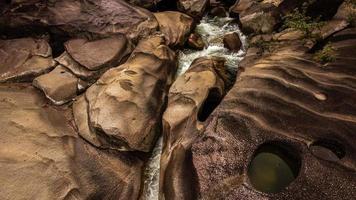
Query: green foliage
(325, 55)
(300, 21)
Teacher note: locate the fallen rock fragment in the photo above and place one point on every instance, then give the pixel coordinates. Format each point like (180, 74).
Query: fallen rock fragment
(23, 59)
(192, 97)
(232, 41)
(60, 85)
(175, 26)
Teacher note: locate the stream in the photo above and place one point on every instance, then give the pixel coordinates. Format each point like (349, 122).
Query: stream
(212, 30)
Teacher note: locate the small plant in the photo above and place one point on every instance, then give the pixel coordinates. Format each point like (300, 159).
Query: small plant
(300, 21)
(325, 55)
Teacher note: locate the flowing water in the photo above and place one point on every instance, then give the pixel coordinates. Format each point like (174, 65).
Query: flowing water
(212, 31)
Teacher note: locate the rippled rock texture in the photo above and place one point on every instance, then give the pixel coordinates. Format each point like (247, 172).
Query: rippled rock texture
(288, 101)
(122, 110)
(191, 99)
(41, 156)
(97, 18)
(24, 59)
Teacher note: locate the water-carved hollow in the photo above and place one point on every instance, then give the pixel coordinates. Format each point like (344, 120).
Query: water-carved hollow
(211, 102)
(273, 167)
(329, 150)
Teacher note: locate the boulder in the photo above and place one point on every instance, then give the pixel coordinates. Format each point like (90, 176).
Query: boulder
(190, 100)
(95, 18)
(60, 85)
(195, 41)
(43, 158)
(149, 4)
(194, 8)
(232, 41)
(97, 54)
(23, 59)
(218, 11)
(175, 26)
(299, 112)
(124, 107)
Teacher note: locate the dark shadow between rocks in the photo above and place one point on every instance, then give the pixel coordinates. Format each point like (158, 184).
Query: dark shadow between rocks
(329, 150)
(273, 167)
(211, 102)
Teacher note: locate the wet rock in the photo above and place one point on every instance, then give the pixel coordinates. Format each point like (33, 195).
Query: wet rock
(232, 41)
(191, 99)
(288, 102)
(175, 26)
(24, 59)
(60, 85)
(97, 54)
(96, 18)
(194, 8)
(218, 11)
(195, 41)
(125, 105)
(43, 158)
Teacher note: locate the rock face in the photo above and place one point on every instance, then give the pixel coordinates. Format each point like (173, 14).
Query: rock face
(191, 97)
(24, 59)
(285, 100)
(175, 26)
(41, 156)
(123, 108)
(232, 41)
(145, 3)
(98, 18)
(194, 8)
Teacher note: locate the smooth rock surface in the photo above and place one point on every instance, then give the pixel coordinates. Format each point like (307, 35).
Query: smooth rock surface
(194, 8)
(23, 59)
(232, 41)
(175, 26)
(41, 156)
(195, 92)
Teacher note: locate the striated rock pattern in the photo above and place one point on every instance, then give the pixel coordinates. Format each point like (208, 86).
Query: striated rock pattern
(175, 26)
(190, 99)
(124, 107)
(41, 156)
(285, 99)
(97, 18)
(24, 59)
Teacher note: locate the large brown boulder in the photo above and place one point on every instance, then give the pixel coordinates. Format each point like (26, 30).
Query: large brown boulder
(232, 41)
(24, 59)
(98, 18)
(175, 26)
(42, 157)
(285, 130)
(194, 8)
(122, 110)
(191, 99)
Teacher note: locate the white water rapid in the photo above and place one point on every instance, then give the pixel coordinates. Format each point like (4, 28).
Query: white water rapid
(212, 31)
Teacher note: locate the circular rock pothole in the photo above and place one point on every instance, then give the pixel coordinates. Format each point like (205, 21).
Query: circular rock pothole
(329, 150)
(273, 167)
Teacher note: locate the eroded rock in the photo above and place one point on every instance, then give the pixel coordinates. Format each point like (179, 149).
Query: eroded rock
(191, 99)
(97, 18)
(194, 8)
(24, 59)
(288, 102)
(124, 106)
(41, 156)
(175, 26)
